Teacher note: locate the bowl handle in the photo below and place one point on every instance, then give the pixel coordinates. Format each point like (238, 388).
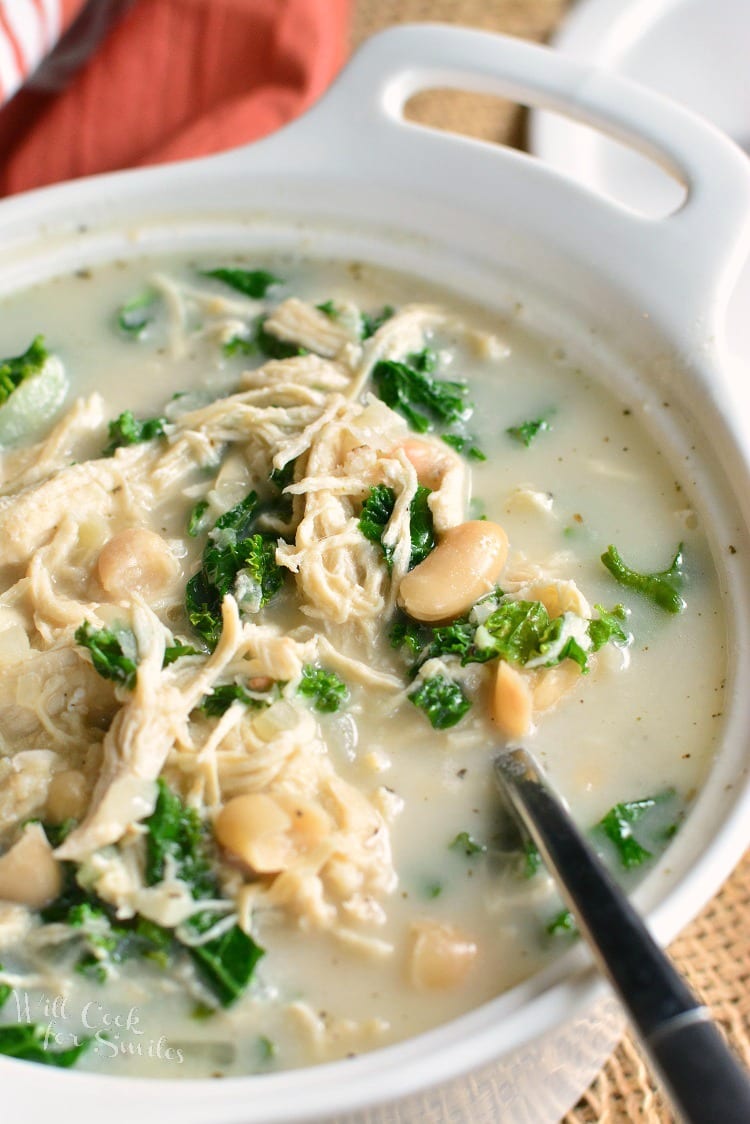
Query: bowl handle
(366, 104)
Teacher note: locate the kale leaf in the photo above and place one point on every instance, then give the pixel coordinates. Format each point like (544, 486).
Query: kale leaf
(136, 314)
(128, 430)
(377, 511)
(455, 639)
(176, 651)
(617, 825)
(522, 631)
(563, 923)
(226, 963)
(253, 283)
(464, 444)
(114, 652)
(15, 370)
(327, 690)
(663, 588)
(466, 844)
(222, 697)
(259, 578)
(237, 559)
(271, 346)
(30, 1042)
(408, 634)
(420, 398)
(526, 431)
(197, 519)
(607, 627)
(5, 991)
(176, 838)
(329, 309)
(442, 700)
(371, 321)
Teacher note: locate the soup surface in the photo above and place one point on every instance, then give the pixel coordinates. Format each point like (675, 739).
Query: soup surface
(289, 550)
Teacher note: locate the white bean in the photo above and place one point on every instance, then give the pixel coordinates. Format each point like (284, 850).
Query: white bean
(464, 565)
(511, 703)
(29, 873)
(137, 561)
(441, 955)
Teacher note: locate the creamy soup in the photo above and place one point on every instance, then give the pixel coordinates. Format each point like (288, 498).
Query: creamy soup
(289, 550)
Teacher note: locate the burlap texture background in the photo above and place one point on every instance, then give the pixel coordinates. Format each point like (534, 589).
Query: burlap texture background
(714, 951)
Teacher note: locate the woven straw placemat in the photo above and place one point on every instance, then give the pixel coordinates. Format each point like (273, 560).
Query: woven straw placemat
(714, 951)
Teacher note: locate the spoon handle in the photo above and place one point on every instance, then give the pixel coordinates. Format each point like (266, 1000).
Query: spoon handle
(704, 1081)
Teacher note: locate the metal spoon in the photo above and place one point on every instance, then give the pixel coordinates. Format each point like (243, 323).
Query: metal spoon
(700, 1074)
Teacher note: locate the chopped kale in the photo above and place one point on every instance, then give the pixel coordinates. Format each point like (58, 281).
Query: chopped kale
(238, 560)
(15, 370)
(663, 588)
(135, 316)
(424, 360)
(226, 963)
(377, 511)
(420, 398)
(282, 477)
(271, 346)
(528, 430)
(532, 860)
(31, 1042)
(421, 528)
(407, 634)
(107, 944)
(176, 651)
(607, 627)
(128, 430)
(114, 652)
(617, 825)
(239, 520)
(203, 608)
(329, 309)
(455, 639)
(522, 631)
(563, 923)
(442, 700)
(327, 690)
(57, 832)
(259, 578)
(177, 838)
(465, 445)
(239, 345)
(467, 845)
(197, 520)
(5, 991)
(371, 321)
(253, 283)
(517, 631)
(222, 697)
(267, 1050)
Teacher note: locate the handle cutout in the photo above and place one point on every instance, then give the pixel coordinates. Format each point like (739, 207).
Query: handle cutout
(612, 169)
(465, 113)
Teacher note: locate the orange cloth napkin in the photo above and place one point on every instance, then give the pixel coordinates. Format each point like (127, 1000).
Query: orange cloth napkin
(173, 79)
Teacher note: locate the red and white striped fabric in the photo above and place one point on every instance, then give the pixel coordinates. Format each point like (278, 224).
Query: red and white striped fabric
(29, 29)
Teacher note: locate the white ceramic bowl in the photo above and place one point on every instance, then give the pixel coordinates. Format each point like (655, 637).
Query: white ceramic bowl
(644, 298)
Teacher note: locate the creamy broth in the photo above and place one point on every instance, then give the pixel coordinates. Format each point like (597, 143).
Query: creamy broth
(345, 977)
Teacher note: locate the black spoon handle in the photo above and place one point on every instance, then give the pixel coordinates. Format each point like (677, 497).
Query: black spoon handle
(704, 1081)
